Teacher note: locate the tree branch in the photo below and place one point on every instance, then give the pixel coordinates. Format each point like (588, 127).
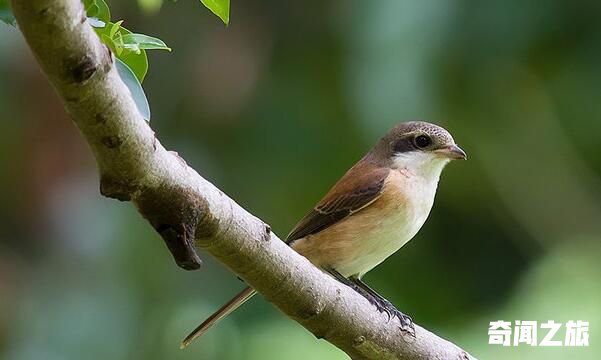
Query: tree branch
(185, 209)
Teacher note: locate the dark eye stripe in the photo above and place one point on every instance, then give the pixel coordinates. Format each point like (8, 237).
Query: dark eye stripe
(403, 145)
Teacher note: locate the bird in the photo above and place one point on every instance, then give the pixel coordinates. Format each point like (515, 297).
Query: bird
(375, 208)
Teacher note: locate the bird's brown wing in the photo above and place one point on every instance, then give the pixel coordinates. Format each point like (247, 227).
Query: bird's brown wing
(358, 188)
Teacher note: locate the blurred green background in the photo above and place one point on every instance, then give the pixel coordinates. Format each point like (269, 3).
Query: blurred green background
(273, 109)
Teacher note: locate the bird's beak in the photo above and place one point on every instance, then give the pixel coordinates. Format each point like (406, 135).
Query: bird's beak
(452, 152)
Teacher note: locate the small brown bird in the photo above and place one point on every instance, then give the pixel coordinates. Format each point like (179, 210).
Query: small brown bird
(370, 213)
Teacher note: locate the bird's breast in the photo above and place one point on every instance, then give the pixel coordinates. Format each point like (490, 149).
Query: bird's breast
(358, 243)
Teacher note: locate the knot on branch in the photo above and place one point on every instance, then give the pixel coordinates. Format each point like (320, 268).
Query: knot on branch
(179, 215)
(116, 188)
(80, 69)
(181, 246)
(111, 142)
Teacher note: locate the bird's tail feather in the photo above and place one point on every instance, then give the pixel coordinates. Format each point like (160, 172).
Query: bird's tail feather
(225, 310)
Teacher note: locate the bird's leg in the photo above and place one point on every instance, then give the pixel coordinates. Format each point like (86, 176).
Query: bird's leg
(385, 306)
(376, 299)
(338, 276)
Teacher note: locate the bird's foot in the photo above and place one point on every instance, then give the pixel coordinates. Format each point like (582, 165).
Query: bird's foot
(406, 323)
(385, 306)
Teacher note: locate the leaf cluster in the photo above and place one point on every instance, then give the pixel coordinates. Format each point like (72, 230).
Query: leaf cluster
(129, 48)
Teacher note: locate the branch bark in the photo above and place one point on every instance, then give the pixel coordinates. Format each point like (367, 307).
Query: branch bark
(187, 210)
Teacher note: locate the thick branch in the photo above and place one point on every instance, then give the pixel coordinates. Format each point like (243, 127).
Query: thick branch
(186, 209)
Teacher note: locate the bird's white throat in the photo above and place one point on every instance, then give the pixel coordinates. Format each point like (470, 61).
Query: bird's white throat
(426, 165)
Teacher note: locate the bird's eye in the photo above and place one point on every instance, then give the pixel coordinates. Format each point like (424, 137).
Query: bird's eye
(422, 141)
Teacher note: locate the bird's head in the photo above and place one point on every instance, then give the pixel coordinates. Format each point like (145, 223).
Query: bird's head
(419, 147)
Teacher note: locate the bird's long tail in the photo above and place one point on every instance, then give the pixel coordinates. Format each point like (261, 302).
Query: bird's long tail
(225, 310)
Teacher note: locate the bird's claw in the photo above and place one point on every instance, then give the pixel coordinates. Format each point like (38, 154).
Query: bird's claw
(406, 323)
(385, 306)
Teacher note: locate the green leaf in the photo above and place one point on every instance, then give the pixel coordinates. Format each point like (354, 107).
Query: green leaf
(138, 63)
(91, 8)
(104, 13)
(135, 48)
(135, 88)
(129, 47)
(108, 42)
(114, 28)
(136, 59)
(97, 9)
(145, 42)
(220, 8)
(6, 15)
